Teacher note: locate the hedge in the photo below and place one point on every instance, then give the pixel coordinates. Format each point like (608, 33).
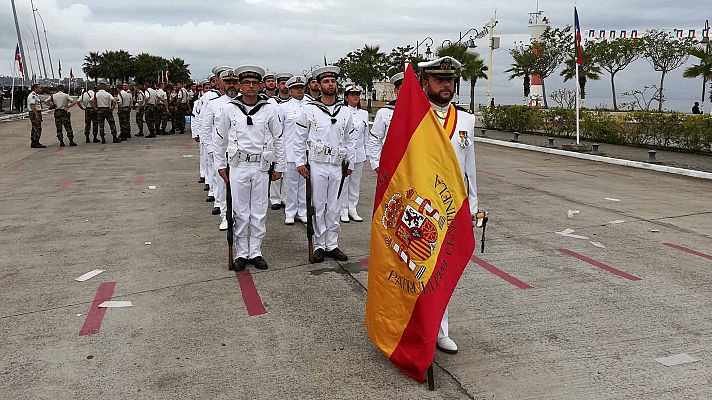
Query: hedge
(663, 130)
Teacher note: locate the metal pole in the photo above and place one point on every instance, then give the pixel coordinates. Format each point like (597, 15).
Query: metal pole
(37, 54)
(49, 55)
(489, 62)
(704, 77)
(38, 35)
(19, 40)
(32, 67)
(578, 88)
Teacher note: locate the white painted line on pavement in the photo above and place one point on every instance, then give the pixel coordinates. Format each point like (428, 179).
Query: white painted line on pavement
(88, 275)
(116, 304)
(677, 359)
(608, 160)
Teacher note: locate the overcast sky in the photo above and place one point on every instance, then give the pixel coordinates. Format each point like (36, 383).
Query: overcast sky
(291, 35)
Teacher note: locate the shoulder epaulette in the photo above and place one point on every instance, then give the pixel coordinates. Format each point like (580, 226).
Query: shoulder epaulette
(461, 108)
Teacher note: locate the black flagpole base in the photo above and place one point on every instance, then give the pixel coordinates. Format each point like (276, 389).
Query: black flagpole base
(431, 379)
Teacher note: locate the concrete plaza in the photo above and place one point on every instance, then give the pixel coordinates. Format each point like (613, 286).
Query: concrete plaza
(539, 315)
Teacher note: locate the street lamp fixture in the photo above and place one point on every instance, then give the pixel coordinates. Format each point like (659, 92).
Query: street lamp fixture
(428, 53)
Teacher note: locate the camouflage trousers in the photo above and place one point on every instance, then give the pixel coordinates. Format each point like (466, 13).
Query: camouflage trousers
(36, 120)
(106, 114)
(125, 122)
(179, 117)
(90, 121)
(150, 111)
(62, 119)
(161, 119)
(139, 120)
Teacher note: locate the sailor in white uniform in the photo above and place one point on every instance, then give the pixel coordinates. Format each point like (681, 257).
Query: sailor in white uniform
(325, 141)
(205, 135)
(352, 184)
(247, 127)
(379, 130)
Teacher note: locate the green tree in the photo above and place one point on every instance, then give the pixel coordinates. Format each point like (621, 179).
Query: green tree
(91, 66)
(179, 71)
(614, 56)
(363, 67)
(702, 69)
(589, 69)
(473, 67)
(522, 67)
(148, 67)
(665, 53)
(398, 57)
(550, 51)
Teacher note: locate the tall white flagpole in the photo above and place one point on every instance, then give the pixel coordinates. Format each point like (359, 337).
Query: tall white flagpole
(12, 92)
(578, 86)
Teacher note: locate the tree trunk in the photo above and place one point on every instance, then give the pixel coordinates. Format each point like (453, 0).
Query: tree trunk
(613, 89)
(582, 86)
(368, 102)
(543, 93)
(660, 93)
(473, 82)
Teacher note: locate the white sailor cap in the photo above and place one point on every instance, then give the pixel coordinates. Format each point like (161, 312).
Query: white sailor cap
(249, 71)
(397, 79)
(352, 89)
(297, 80)
(283, 76)
(447, 66)
(310, 77)
(228, 75)
(217, 70)
(268, 75)
(329, 71)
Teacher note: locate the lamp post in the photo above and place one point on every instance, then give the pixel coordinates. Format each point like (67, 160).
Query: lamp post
(49, 55)
(38, 35)
(470, 42)
(311, 69)
(493, 45)
(428, 52)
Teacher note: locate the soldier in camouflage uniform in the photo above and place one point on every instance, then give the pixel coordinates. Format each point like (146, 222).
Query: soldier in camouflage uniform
(105, 103)
(125, 101)
(150, 110)
(161, 110)
(182, 103)
(139, 98)
(61, 102)
(85, 103)
(34, 104)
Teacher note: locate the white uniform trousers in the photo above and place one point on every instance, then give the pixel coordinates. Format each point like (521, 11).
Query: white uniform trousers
(325, 197)
(203, 159)
(295, 187)
(275, 192)
(248, 185)
(443, 332)
(351, 189)
(210, 170)
(219, 189)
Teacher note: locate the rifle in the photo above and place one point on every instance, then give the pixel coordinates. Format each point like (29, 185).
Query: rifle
(310, 216)
(269, 179)
(229, 217)
(344, 171)
(482, 219)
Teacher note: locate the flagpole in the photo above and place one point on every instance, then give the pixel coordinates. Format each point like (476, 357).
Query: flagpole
(578, 86)
(12, 91)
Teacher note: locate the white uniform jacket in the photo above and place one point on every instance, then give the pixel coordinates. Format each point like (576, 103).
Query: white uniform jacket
(327, 133)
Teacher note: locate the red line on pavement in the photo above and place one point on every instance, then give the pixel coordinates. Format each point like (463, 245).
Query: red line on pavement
(189, 146)
(252, 299)
(148, 146)
(580, 173)
(95, 316)
(496, 271)
(687, 250)
(66, 184)
(138, 181)
(492, 173)
(599, 264)
(58, 149)
(364, 262)
(533, 173)
(103, 148)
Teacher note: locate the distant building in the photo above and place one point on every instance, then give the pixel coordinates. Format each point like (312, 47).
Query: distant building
(384, 91)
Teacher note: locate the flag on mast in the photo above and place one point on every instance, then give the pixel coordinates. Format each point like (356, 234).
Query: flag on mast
(579, 50)
(71, 75)
(421, 233)
(60, 69)
(18, 58)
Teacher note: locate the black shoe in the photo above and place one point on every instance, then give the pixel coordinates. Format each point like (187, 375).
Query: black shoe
(259, 262)
(71, 143)
(117, 140)
(61, 142)
(151, 136)
(239, 264)
(276, 206)
(216, 210)
(97, 140)
(201, 180)
(210, 199)
(139, 134)
(88, 140)
(337, 255)
(123, 139)
(318, 256)
(37, 145)
(206, 187)
(103, 141)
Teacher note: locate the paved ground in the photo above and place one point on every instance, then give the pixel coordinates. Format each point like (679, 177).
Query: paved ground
(532, 318)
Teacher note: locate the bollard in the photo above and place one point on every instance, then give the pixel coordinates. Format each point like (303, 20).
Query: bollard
(594, 148)
(515, 137)
(551, 143)
(651, 157)
(484, 132)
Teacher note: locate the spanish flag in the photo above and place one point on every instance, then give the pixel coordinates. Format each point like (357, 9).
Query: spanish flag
(421, 234)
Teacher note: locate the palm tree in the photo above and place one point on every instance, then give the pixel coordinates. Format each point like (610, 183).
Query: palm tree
(92, 65)
(702, 69)
(589, 69)
(473, 67)
(522, 67)
(179, 71)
